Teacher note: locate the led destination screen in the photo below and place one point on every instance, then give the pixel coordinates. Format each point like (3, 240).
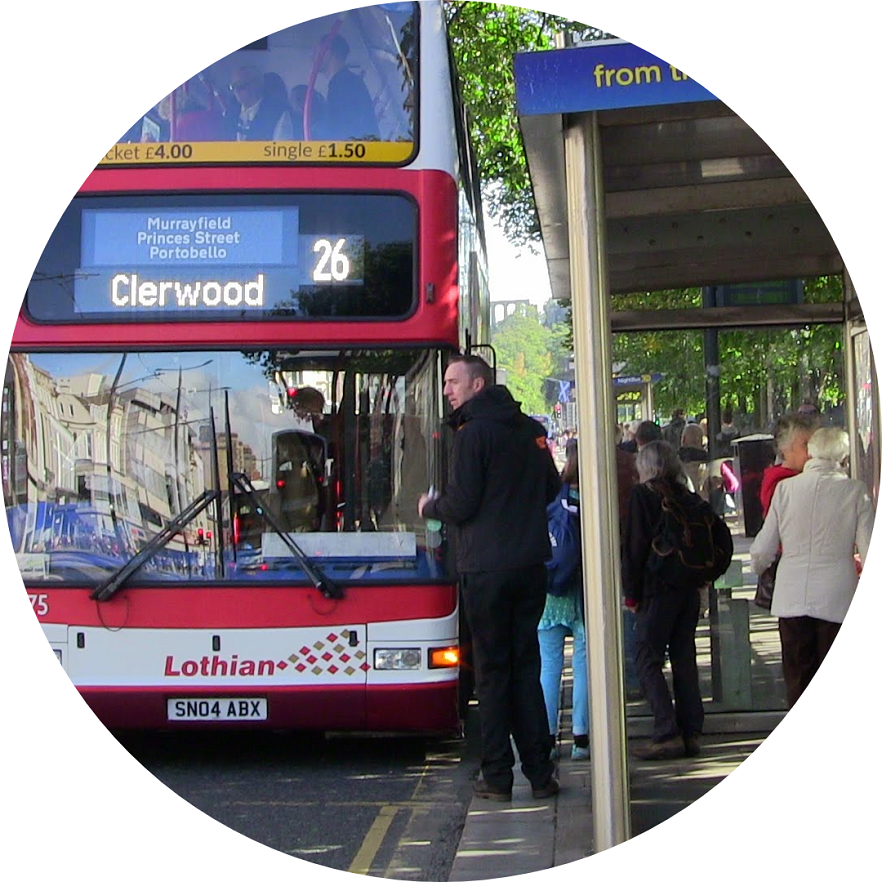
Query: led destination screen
(291, 256)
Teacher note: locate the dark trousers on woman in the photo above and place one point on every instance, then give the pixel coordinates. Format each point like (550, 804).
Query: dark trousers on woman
(666, 623)
(503, 609)
(805, 642)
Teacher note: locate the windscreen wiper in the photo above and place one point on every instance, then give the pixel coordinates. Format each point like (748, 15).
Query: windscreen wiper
(108, 588)
(328, 587)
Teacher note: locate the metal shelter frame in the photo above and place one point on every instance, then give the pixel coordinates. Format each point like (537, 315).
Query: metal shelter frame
(644, 181)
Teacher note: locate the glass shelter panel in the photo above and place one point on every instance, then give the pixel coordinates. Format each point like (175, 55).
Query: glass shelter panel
(757, 376)
(102, 450)
(866, 414)
(337, 89)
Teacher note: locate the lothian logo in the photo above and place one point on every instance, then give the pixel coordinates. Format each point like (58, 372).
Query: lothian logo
(215, 666)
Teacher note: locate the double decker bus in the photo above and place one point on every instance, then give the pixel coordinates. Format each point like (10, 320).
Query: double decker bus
(223, 396)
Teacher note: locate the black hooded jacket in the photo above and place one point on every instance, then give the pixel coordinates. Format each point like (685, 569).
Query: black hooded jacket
(502, 478)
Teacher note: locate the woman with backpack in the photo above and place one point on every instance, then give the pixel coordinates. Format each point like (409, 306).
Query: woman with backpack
(563, 615)
(661, 582)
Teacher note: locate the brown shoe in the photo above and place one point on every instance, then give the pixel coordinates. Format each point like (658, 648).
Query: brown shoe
(673, 748)
(484, 791)
(692, 744)
(552, 788)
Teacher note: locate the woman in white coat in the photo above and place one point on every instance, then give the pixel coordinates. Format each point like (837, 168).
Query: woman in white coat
(819, 518)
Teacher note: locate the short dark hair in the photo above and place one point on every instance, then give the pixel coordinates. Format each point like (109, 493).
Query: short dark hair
(646, 432)
(339, 48)
(476, 366)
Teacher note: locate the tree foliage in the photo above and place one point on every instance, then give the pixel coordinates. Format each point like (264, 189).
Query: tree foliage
(484, 39)
(533, 357)
(763, 372)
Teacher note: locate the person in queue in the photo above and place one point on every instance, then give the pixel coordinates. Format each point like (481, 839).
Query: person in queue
(667, 616)
(629, 432)
(264, 114)
(626, 478)
(817, 518)
(674, 429)
(792, 434)
(564, 617)
(501, 480)
(694, 457)
(645, 433)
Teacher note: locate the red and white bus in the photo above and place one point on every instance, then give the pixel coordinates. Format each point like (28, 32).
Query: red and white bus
(223, 395)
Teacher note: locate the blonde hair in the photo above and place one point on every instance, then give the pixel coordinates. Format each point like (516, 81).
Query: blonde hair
(692, 436)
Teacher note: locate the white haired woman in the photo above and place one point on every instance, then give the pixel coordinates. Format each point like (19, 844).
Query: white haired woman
(667, 615)
(818, 518)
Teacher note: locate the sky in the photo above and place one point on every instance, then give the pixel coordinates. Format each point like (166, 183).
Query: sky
(515, 273)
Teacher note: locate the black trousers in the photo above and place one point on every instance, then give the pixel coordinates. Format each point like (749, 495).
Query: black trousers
(503, 609)
(666, 623)
(805, 642)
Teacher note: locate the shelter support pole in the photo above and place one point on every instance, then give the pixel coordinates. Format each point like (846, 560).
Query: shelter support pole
(711, 378)
(592, 340)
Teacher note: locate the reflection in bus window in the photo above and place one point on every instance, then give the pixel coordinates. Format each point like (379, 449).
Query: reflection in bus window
(343, 77)
(111, 447)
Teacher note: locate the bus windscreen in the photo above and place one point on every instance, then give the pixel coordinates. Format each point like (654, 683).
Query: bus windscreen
(334, 446)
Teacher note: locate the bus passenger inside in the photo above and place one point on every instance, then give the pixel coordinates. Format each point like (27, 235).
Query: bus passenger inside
(264, 114)
(350, 109)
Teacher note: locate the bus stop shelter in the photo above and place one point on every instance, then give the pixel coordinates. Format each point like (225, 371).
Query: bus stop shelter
(644, 181)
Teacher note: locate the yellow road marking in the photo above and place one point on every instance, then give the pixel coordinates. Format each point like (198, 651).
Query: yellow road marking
(364, 859)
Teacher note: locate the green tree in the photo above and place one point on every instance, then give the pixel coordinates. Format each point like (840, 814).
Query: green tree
(532, 356)
(484, 39)
(763, 372)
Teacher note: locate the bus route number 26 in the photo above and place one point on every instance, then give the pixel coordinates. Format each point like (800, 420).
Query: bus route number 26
(39, 603)
(332, 265)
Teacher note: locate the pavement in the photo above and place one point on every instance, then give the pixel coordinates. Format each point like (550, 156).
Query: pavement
(528, 835)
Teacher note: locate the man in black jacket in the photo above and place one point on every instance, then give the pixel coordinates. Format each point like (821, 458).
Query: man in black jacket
(502, 478)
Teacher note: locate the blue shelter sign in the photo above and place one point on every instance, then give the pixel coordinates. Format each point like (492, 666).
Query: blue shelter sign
(606, 75)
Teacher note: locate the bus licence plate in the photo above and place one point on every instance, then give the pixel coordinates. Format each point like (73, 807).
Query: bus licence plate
(217, 708)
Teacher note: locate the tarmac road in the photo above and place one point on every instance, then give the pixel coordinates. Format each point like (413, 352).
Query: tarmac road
(389, 807)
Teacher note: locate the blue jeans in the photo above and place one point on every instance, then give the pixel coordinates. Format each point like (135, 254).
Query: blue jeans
(551, 648)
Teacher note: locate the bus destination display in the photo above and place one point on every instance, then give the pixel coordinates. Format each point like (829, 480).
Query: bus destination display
(222, 258)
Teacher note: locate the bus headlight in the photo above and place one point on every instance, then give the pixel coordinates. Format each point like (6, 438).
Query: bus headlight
(398, 659)
(57, 654)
